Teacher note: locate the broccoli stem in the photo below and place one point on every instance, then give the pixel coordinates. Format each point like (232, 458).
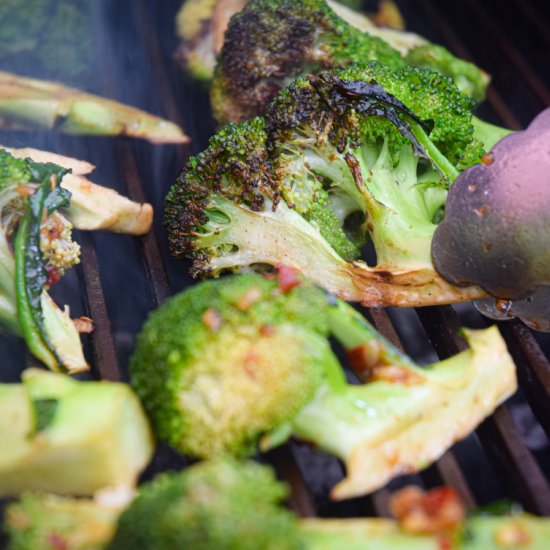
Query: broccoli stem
(70, 437)
(481, 533)
(284, 237)
(489, 134)
(389, 424)
(352, 330)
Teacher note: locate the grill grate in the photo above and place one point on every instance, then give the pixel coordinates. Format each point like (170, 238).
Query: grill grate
(143, 73)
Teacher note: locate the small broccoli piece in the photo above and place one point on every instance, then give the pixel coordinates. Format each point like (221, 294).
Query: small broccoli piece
(218, 504)
(471, 80)
(339, 158)
(39, 204)
(29, 102)
(282, 39)
(41, 521)
(243, 362)
(70, 437)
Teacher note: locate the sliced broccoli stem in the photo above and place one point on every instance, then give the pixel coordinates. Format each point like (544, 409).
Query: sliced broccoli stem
(381, 427)
(282, 236)
(94, 436)
(477, 533)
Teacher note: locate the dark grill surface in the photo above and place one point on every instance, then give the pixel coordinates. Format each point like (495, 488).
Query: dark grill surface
(122, 278)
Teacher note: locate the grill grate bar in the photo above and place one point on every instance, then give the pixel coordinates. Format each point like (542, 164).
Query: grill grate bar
(153, 262)
(105, 357)
(514, 56)
(533, 369)
(535, 19)
(514, 463)
(431, 11)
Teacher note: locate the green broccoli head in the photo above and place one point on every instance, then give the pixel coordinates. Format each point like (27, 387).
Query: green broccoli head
(242, 363)
(281, 39)
(41, 521)
(229, 330)
(217, 504)
(469, 78)
(339, 158)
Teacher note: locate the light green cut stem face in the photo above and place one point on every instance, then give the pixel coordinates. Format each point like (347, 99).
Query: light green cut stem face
(70, 437)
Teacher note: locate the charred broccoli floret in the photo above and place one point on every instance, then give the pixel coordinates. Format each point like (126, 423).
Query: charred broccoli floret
(242, 363)
(338, 158)
(39, 204)
(281, 39)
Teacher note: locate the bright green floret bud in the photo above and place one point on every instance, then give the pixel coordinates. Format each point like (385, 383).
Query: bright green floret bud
(213, 505)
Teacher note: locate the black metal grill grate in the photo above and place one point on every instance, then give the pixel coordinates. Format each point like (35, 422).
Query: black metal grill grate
(122, 278)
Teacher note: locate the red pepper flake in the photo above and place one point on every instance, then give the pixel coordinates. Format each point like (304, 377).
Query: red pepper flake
(249, 298)
(53, 275)
(251, 361)
(438, 511)
(57, 542)
(84, 325)
(396, 374)
(445, 542)
(512, 535)
(364, 358)
(212, 319)
(288, 278)
(488, 158)
(268, 330)
(24, 190)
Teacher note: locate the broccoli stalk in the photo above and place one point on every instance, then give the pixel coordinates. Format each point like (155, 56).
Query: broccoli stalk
(357, 423)
(31, 102)
(38, 202)
(70, 437)
(223, 348)
(340, 157)
(230, 505)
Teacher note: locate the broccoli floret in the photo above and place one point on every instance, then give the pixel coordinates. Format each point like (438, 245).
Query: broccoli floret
(218, 504)
(70, 437)
(339, 158)
(39, 204)
(41, 521)
(281, 39)
(471, 80)
(244, 362)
